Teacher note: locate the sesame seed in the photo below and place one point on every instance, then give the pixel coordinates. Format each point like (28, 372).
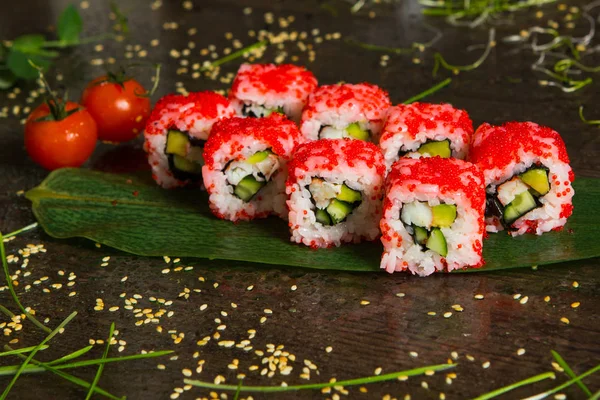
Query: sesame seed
(557, 367)
(263, 320)
(293, 288)
(447, 314)
(429, 372)
(478, 297)
(378, 371)
(268, 311)
(575, 304)
(575, 284)
(485, 365)
(470, 357)
(328, 349)
(560, 396)
(403, 378)
(517, 296)
(113, 309)
(454, 355)
(565, 320)
(547, 299)
(520, 352)
(424, 385)
(187, 372)
(166, 271)
(524, 300)
(400, 294)
(432, 313)
(249, 288)
(414, 354)
(161, 366)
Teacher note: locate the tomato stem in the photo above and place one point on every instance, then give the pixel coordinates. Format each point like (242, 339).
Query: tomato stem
(56, 105)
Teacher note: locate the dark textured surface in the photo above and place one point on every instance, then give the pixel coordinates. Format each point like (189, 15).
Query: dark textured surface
(325, 310)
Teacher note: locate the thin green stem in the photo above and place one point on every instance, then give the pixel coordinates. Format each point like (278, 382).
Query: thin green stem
(350, 382)
(440, 61)
(596, 396)
(6, 311)
(570, 372)
(101, 366)
(74, 379)
(568, 383)
(429, 91)
(21, 351)
(566, 63)
(71, 356)
(24, 229)
(12, 289)
(11, 369)
(524, 382)
(587, 121)
(34, 351)
(385, 49)
(234, 55)
(90, 39)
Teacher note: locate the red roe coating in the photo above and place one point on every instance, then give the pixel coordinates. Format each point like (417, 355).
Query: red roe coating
(273, 130)
(204, 104)
(369, 99)
(269, 79)
(448, 174)
(499, 146)
(419, 117)
(333, 152)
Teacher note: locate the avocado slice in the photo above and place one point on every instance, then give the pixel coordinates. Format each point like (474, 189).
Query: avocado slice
(436, 148)
(420, 234)
(247, 188)
(177, 143)
(521, 205)
(185, 165)
(258, 157)
(357, 132)
(323, 217)
(349, 195)
(437, 242)
(537, 179)
(443, 215)
(338, 210)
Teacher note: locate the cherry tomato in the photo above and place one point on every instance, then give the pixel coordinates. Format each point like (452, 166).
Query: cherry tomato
(60, 143)
(117, 108)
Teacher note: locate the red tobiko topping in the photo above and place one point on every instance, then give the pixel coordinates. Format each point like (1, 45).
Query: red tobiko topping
(498, 146)
(268, 78)
(204, 104)
(367, 98)
(448, 174)
(331, 153)
(273, 130)
(419, 117)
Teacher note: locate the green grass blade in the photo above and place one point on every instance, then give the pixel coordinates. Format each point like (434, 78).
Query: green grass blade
(596, 396)
(71, 356)
(24, 229)
(34, 351)
(234, 55)
(547, 393)
(563, 364)
(11, 287)
(313, 386)
(429, 91)
(101, 366)
(73, 379)
(21, 351)
(508, 388)
(11, 369)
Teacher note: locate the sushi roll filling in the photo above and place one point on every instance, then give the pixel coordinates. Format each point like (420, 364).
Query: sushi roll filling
(431, 148)
(259, 111)
(356, 130)
(424, 223)
(518, 196)
(333, 201)
(250, 175)
(184, 154)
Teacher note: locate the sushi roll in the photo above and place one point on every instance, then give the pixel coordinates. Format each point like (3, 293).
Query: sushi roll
(260, 89)
(423, 129)
(334, 192)
(527, 177)
(433, 216)
(176, 132)
(354, 111)
(246, 166)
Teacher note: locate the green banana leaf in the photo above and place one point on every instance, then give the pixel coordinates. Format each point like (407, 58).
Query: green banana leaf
(134, 215)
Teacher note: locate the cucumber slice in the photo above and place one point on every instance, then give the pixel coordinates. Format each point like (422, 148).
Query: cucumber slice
(443, 215)
(349, 195)
(537, 179)
(258, 157)
(248, 187)
(185, 165)
(437, 242)
(436, 148)
(338, 210)
(177, 143)
(355, 131)
(521, 205)
(420, 235)
(323, 217)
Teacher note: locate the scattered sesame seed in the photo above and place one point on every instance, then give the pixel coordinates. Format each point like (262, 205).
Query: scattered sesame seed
(328, 349)
(485, 365)
(432, 313)
(293, 288)
(565, 320)
(447, 314)
(414, 354)
(557, 367)
(478, 297)
(454, 355)
(113, 309)
(575, 304)
(377, 371)
(520, 352)
(166, 271)
(400, 294)
(470, 357)
(186, 372)
(524, 300)
(560, 396)
(249, 288)
(517, 296)
(268, 311)
(424, 385)
(429, 372)
(575, 284)
(547, 299)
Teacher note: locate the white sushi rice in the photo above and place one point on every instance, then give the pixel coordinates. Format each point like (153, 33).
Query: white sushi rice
(396, 137)
(171, 118)
(361, 224)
